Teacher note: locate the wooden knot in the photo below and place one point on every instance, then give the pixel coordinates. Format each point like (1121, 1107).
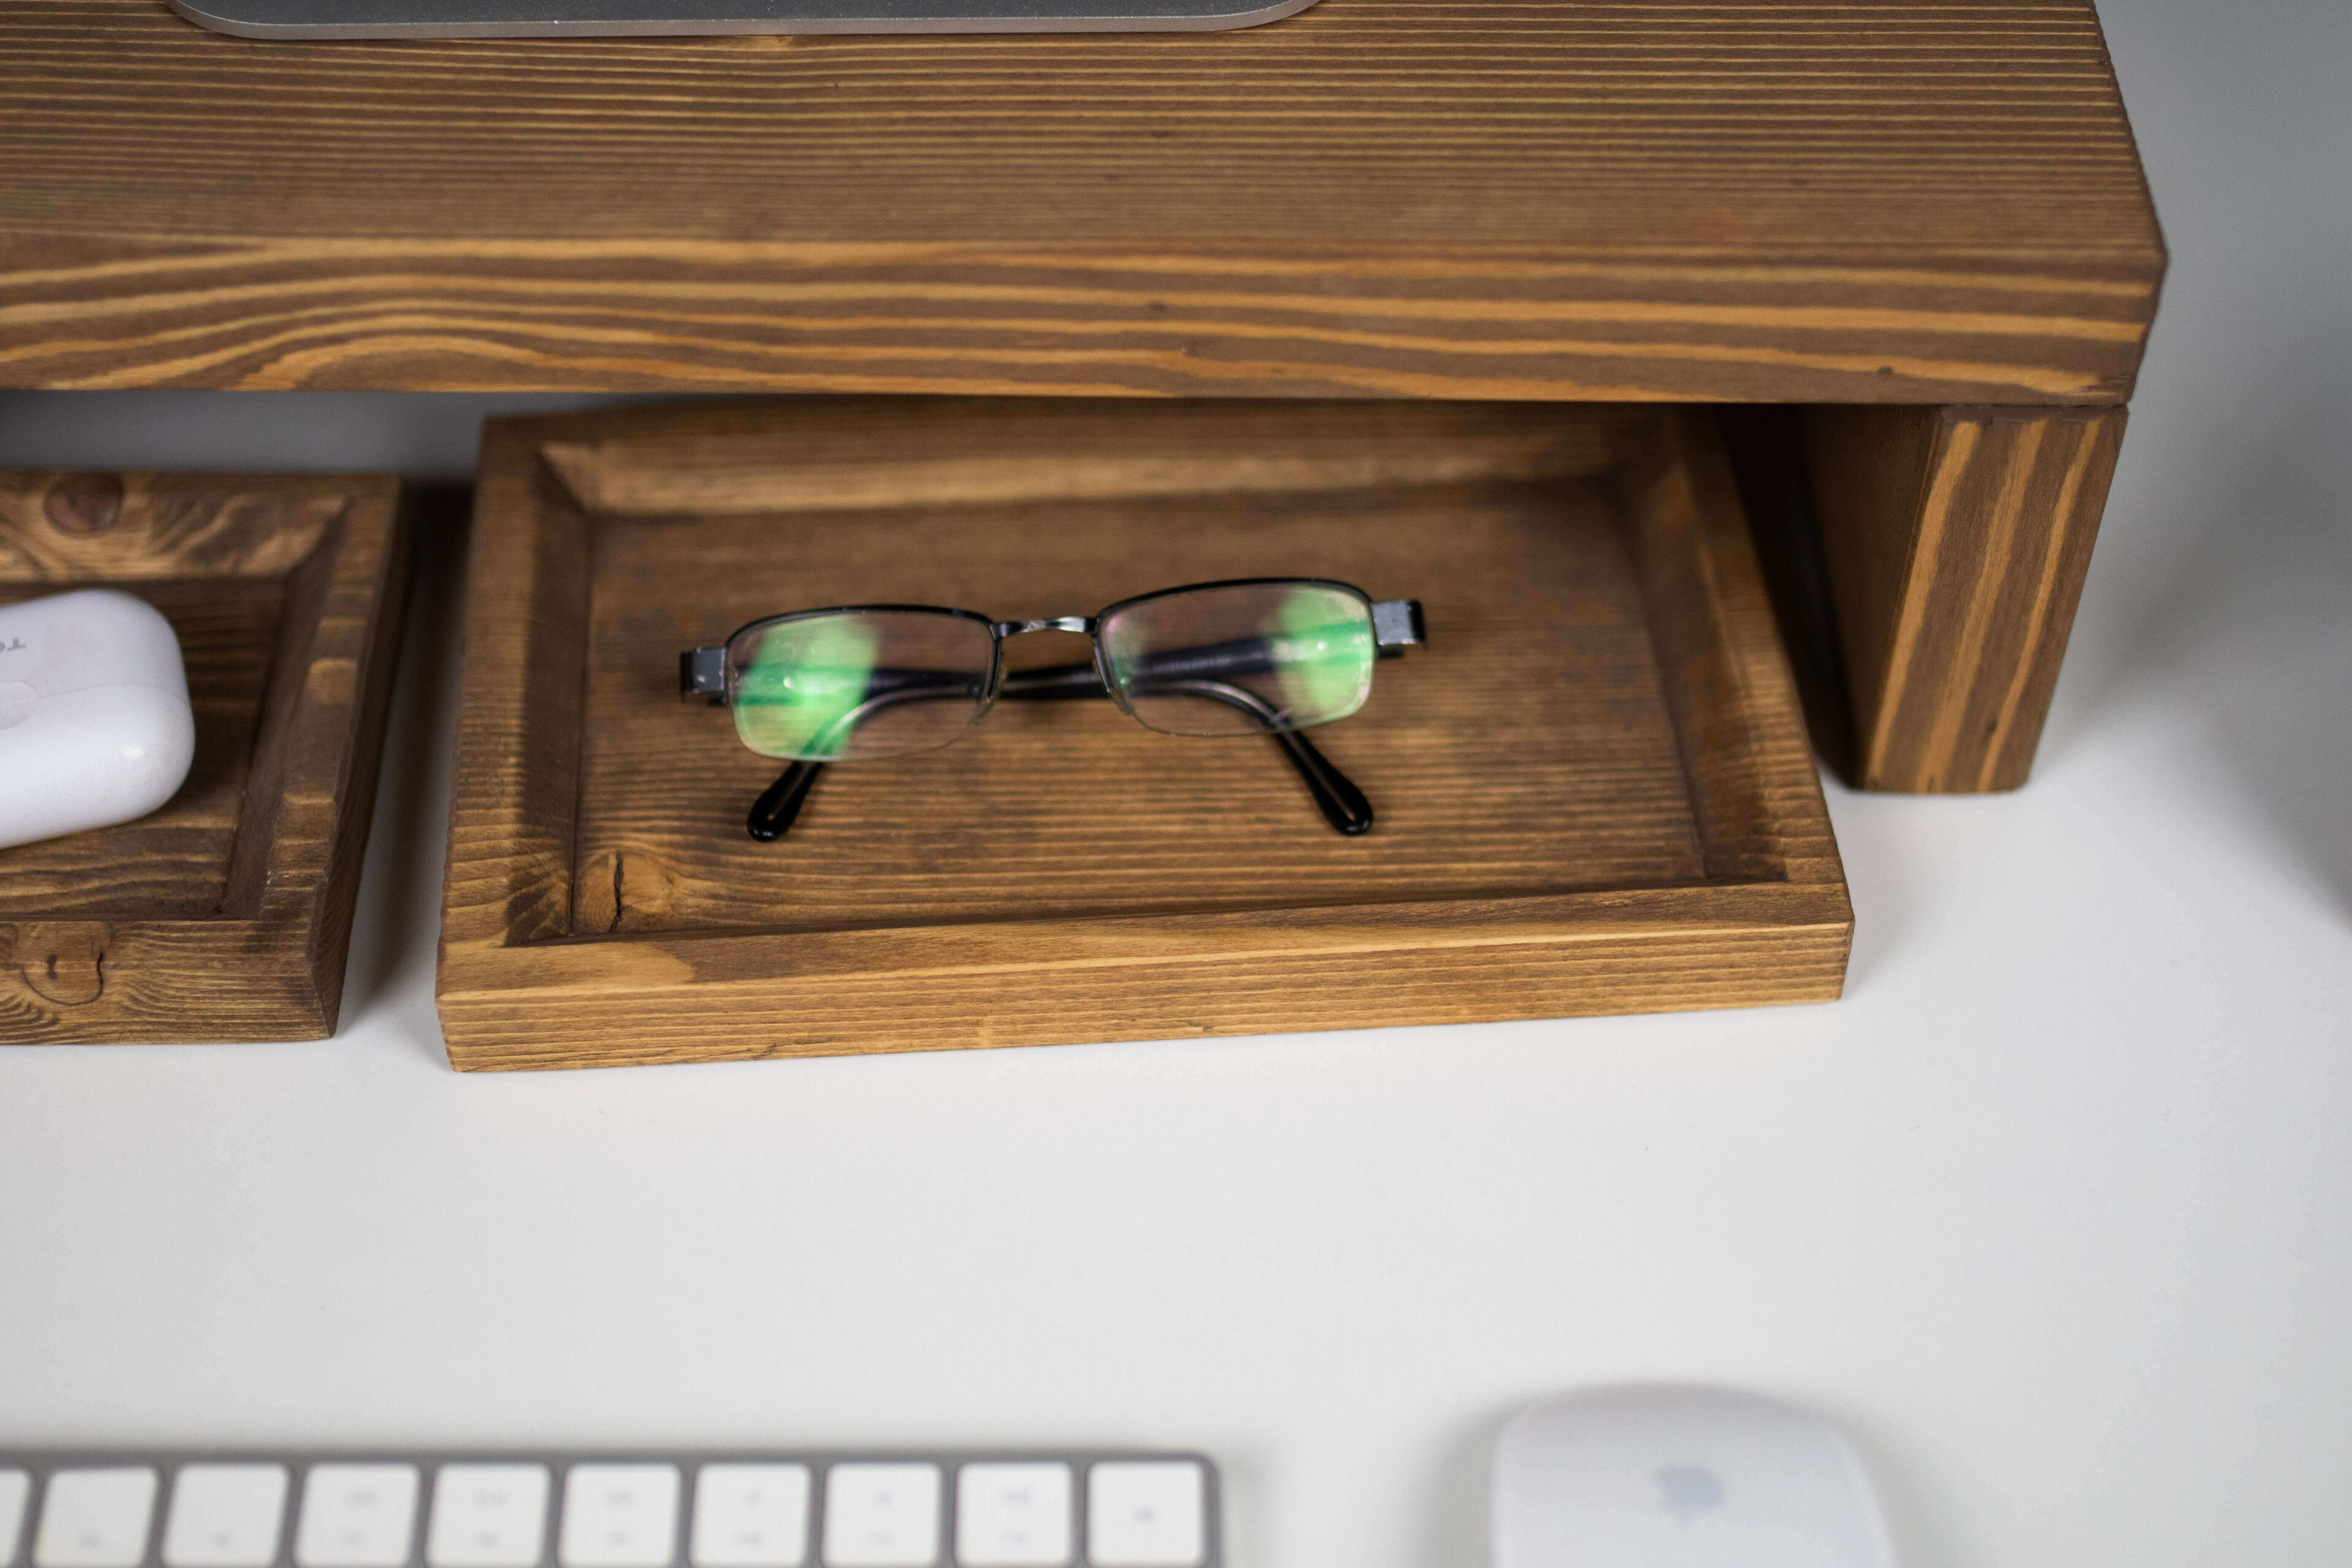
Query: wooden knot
(622, 890)
(63, 964)
(82, 504)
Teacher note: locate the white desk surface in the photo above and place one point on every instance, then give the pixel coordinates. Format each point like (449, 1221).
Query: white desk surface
(2053, 1213)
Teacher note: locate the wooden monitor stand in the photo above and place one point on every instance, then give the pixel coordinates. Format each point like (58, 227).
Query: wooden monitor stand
(1924, 224)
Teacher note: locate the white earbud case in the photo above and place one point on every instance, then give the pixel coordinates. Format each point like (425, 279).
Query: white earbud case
(95, 726)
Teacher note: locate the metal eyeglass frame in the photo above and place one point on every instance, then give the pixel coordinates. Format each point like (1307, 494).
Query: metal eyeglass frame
(1397, 624)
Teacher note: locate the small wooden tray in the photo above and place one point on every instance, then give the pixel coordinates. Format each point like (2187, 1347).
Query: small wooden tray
(226, 915)
(1593, 788)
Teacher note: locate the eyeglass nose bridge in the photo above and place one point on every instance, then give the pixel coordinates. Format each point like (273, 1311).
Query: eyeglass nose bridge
(1082, 625)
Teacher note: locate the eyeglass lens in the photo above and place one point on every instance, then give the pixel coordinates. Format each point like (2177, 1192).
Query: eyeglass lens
(1241, 659)
(858, 683)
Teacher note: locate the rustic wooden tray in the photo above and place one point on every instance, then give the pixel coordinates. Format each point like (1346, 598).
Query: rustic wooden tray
(226, 915)
(1593, 788)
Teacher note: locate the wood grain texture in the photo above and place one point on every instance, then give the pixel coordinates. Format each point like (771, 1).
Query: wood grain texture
(1592, 787)
(1529, 751)
(1956, 542)
(1754, 798)
(226, 915)
(1078, 982)
(1905, 200)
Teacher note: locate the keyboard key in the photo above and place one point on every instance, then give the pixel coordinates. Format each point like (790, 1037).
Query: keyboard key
(356, 1516)
(619, 1515)
(15, 1485)
(225, 1516)
(1146, 1515)
(881, 1516)
(208, 1510)
(487, 1516)
(1013, 1515)
(95, 1519)
(750, 1516)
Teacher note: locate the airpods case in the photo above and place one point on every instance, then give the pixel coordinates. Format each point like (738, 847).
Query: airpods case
(95, 727)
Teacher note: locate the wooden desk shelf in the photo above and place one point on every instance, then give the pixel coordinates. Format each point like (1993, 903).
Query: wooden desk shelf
(1407, 198)
(1896, 201)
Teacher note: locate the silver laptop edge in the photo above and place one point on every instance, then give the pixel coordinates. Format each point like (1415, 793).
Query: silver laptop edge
(295, 19)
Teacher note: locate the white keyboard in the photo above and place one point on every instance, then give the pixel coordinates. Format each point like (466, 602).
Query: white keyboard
(142, 1510)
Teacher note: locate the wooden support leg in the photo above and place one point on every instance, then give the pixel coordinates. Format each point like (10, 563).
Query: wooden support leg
(1955, 542)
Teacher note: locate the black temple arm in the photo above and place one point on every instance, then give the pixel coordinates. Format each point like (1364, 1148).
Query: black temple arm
(772, 813)
(1343, 806)
(1055, 683)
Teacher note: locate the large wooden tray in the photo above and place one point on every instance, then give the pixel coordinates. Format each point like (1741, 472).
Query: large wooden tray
(227, 915)
(1593, 788)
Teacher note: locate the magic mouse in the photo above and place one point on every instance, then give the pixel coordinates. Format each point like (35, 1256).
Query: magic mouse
(95, 725)
(1664, 1477)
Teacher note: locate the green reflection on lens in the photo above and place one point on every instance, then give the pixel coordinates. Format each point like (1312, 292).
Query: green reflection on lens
(794, 699)
(1322, 653)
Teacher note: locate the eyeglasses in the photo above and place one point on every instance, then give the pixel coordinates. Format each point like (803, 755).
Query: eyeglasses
(1268, 655)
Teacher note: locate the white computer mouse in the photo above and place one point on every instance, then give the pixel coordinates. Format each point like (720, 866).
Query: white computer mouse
(1665, 1476)
(95, 725)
